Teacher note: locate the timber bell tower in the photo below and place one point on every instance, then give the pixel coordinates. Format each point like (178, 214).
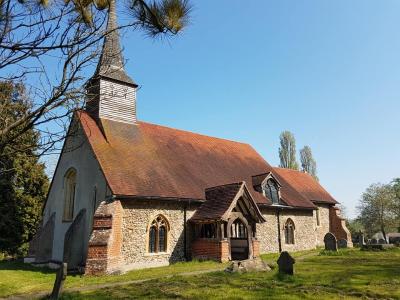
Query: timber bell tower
(111, 93)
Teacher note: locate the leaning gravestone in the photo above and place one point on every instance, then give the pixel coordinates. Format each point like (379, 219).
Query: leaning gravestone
(342, 243)
(58, 284)
(285, 263)
(361, 241)
(330, 242)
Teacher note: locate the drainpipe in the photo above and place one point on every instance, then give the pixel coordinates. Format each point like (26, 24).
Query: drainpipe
(279, 229)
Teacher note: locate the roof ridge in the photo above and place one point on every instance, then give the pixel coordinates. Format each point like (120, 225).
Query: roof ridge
(191, 132)
(222, 185)
(280, 168)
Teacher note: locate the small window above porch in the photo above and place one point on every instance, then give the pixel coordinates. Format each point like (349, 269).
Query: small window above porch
(269, 186)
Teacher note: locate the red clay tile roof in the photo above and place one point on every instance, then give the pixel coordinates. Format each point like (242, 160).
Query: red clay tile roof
(289, 195)
(147, 160)
(219, 201)
(305, 184)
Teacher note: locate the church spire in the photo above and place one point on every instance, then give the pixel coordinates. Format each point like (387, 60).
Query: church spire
(111, 63)
(111, 93)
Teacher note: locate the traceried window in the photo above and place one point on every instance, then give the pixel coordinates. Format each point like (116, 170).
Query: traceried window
(69, 195)
(271, 191)
(158, 235)
(238, 230)
(289, 232)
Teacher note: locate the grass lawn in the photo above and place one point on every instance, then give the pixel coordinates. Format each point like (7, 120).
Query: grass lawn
(350, 274)
(19, 278)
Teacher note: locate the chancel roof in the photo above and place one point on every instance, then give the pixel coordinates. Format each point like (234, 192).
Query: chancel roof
(147, 160)
(305, 184)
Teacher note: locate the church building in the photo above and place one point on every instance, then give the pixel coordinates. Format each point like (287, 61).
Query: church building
(127, 194)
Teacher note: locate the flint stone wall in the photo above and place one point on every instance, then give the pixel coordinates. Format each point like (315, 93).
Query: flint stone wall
(323, 227)
(267, 232)
(137, 216)
(304, 234)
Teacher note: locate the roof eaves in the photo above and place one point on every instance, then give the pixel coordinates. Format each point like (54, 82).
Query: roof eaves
(138, 197)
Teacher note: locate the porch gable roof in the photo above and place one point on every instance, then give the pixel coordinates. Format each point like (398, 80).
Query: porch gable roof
(221, 200)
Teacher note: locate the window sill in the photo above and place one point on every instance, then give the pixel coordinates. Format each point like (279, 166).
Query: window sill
(157, 254)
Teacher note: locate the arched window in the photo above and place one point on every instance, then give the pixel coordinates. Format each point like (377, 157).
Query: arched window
(289, 232)
(69, 195)
(158, 235)
(238, 230)
(271, 191)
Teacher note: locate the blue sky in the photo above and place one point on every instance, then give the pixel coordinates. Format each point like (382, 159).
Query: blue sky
(328, 71)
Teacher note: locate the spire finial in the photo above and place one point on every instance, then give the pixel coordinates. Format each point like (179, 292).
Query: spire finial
(111, 63)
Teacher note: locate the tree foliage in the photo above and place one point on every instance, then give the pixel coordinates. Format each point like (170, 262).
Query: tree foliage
(287, 151)
(376, 209)
(51, 44)
(308, 163)
(23, 183)
(396, 202)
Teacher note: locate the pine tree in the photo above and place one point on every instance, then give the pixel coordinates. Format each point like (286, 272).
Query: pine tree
(308, 163)
(287, 151)
(23, 183)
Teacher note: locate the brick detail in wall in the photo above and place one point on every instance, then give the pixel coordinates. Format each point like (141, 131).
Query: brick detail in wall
(210, 249)
(256, 248)
(104, 251)
(338, 226)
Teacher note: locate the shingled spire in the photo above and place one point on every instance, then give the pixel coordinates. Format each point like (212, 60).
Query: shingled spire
(111, 93)
(111, 63)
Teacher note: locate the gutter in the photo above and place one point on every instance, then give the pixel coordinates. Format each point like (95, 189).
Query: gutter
(135, 197)
(278, 219)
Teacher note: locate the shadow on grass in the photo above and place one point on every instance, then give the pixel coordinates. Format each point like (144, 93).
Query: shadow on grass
(285, 278)
(19, 265)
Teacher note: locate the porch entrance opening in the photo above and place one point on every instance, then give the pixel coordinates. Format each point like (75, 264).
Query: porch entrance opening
(239, 241)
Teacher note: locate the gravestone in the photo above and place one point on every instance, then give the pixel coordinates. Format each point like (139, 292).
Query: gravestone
(330, 242)
(361, 241)
(59, 283)
(285, 263)
(342, 243)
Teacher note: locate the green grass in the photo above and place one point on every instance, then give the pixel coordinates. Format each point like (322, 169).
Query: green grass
(350, 274)
(19, 278)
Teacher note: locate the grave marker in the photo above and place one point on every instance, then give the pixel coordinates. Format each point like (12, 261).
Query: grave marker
(285, 263)
(342, 243)
(330, 242)
(59, 283)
